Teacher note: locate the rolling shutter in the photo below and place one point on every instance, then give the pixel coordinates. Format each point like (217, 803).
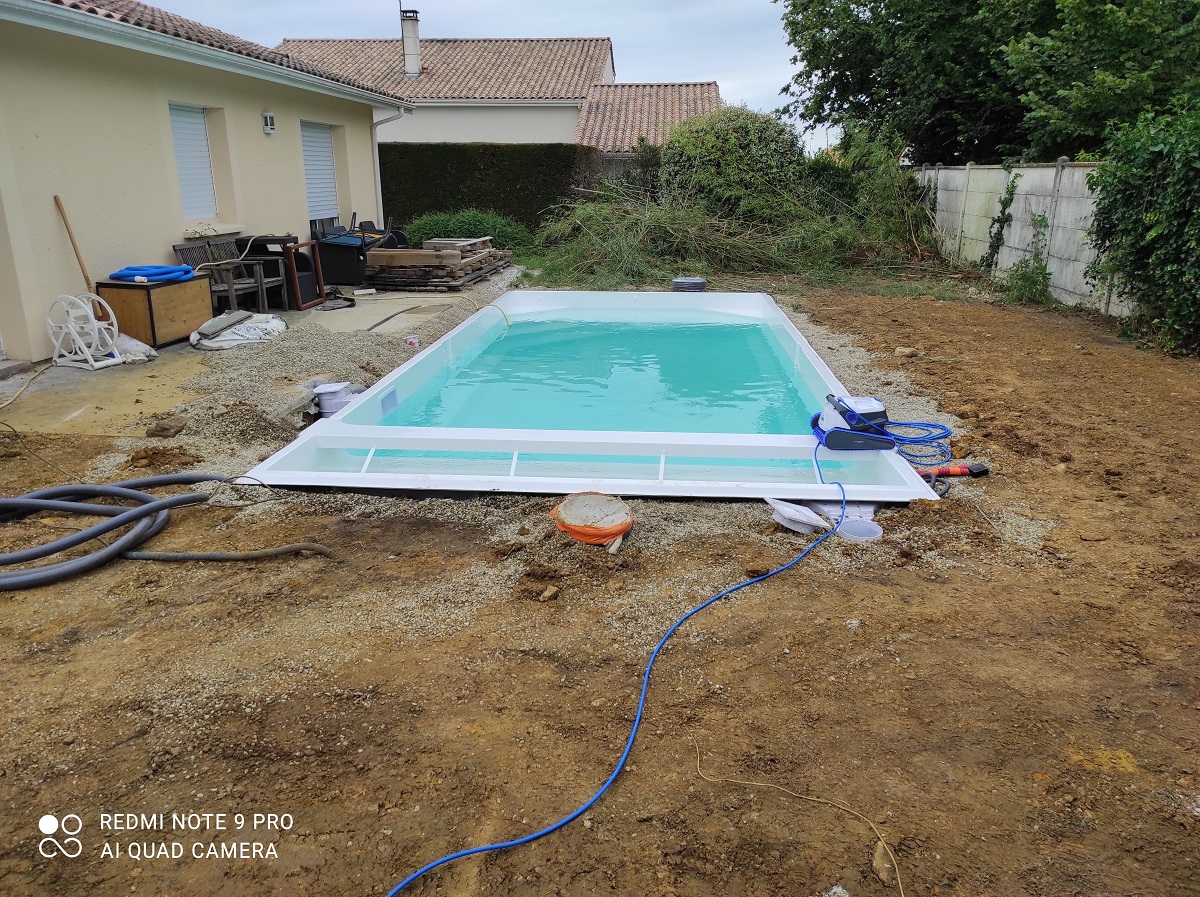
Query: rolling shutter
(194, 163)
(320, 177)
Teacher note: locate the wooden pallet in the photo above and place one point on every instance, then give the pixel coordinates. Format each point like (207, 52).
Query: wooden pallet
(383, 272)
(465, 246)
(394, 275)
(397, 258)
(392, 279)
(393, 260)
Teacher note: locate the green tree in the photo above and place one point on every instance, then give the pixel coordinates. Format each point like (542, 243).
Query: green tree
(735, 163)
(1104, 63)
(933, 72)
(1147, 224)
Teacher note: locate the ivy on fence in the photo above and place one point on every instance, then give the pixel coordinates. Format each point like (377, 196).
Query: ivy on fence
(1147, 224)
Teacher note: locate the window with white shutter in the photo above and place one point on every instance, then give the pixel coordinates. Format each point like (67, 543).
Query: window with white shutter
(320, 174)
(192, 159)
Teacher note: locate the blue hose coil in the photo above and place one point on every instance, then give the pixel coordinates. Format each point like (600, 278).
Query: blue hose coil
(637, 721)
(153, 273)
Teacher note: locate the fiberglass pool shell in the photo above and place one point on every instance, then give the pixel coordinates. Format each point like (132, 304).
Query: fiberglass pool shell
(550, 392)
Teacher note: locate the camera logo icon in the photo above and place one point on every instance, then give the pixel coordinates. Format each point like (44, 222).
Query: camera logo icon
(70, 846)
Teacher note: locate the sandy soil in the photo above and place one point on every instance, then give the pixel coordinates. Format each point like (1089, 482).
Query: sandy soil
(1006, 685)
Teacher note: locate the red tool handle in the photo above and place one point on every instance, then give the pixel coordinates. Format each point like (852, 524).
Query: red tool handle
(957, 470)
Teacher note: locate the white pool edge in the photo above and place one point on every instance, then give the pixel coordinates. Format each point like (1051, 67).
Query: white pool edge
(335, 432)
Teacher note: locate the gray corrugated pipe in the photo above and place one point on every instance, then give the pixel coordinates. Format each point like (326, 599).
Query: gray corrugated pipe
(148, 519)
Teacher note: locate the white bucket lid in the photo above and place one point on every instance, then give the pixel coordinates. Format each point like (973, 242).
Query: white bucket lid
(860, 529)
(794, 525)
(788, 514)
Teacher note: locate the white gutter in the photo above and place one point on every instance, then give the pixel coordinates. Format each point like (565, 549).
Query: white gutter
(375, 152)
(39, 14)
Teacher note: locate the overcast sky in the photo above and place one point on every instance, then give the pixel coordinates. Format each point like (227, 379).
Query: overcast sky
(737, 43)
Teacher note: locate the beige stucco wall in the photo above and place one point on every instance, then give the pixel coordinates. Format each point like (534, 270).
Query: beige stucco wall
(89, 122)
(483, 123)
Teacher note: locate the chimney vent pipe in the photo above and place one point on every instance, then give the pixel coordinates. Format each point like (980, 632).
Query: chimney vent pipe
(410, 29)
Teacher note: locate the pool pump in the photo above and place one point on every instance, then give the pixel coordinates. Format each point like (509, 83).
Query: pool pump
(853, 423)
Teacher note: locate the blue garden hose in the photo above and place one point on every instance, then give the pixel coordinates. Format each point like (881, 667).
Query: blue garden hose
(637, 720)
(153, 273)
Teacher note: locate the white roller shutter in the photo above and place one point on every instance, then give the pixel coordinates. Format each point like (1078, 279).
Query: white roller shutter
(320, 175)
(194, 163)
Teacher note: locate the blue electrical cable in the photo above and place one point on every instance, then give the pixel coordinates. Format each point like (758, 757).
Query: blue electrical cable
(926, 447)
(637, 720)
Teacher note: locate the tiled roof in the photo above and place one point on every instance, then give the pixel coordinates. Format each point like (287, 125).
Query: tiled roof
(614, 116)
(150, 18)
(561, 68)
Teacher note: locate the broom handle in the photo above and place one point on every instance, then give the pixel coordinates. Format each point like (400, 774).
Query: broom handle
(70, 233)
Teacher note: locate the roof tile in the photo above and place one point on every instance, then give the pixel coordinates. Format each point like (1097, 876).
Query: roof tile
(614, 116)
(151, 18)
(468, 68)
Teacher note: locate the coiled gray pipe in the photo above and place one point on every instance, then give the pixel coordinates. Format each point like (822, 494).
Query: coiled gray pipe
(148, 517)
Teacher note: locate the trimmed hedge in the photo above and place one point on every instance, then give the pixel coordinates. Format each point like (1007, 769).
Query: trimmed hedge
(518, 180)
(505, 232)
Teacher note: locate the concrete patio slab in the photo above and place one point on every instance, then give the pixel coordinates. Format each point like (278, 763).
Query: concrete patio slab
(116, 401)
(389, 312)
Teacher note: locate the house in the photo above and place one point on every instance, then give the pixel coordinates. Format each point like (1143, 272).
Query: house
(508, 90)
(522, 90)
(153, 128)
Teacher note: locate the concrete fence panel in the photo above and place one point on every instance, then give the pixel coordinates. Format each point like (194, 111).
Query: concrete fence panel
(1052, 197)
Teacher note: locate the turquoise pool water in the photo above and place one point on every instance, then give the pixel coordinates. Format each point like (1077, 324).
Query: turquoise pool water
(679, 378)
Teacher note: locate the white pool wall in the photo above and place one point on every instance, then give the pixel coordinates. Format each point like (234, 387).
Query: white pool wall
(341, 451)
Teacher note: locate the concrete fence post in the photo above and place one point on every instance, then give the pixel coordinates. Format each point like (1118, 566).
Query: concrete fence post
(923, 180)
(1052, 218)
(962, 212)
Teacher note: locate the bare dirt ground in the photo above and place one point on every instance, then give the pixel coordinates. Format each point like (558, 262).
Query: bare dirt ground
(1006, 684)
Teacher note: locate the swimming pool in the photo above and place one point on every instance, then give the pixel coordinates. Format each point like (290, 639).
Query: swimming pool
(684, 394)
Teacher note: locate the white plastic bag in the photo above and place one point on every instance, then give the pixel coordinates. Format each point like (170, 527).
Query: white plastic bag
(133, 351)
(256, 329)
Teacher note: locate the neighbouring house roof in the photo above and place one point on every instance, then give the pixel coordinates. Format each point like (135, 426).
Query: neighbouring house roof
(614, 116)
(561, 68)
(150, 18)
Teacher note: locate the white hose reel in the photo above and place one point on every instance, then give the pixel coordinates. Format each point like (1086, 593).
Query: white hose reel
(81, 339)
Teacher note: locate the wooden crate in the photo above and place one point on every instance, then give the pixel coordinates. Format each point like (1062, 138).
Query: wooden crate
(158, 313)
